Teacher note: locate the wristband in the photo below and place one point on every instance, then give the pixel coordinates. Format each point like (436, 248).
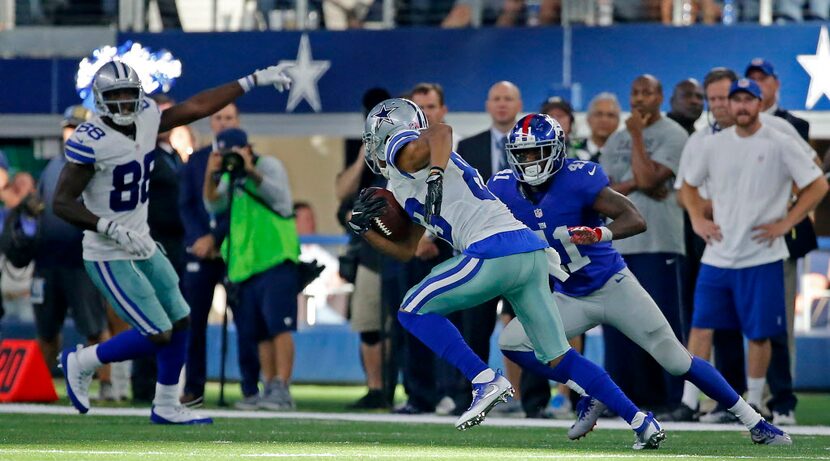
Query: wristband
(605, 234)
(247, 83)
(102, 225)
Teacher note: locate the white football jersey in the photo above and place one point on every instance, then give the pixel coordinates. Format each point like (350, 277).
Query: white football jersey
(470, 213)
(119, 189)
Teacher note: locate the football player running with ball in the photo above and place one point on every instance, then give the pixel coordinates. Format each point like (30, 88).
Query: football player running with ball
(499, 256)
(110, 159)
(565, 201)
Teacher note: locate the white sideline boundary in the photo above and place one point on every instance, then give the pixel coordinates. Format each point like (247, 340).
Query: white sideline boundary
(614, 424)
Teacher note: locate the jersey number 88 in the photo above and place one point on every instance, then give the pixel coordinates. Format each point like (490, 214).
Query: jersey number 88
(130, 184)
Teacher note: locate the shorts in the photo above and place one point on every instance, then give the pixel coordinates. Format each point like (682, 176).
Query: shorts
(365, 305)
(268, 302)
(750, 299)
(145, 293)
(463, 282)
(63, 289)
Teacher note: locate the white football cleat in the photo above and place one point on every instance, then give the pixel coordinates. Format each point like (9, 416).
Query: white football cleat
(588, 411)
(176, 414)
(765, 433)
(649, 434)
(485, 397)
(77, 380)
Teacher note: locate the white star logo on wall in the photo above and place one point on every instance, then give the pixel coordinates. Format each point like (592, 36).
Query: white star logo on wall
(305, 72)
(818, 66)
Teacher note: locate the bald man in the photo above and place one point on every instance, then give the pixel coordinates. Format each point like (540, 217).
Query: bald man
(641, 162)
(485, 152)
(686, 104)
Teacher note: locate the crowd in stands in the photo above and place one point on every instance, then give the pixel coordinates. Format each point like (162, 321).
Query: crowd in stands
(350, 14)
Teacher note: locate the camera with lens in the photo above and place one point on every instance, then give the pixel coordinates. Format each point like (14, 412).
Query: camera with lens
(232, 163)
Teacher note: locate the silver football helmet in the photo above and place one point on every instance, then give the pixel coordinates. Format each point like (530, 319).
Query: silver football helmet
(113, 76)
(383, 122)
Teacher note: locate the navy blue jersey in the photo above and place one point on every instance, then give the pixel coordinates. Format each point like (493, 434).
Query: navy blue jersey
(567, 202)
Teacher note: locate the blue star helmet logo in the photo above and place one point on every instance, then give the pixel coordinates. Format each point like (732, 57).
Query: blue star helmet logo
(382, 115)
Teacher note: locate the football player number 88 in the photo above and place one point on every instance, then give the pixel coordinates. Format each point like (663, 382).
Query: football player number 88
(130, 183)
(577, 261)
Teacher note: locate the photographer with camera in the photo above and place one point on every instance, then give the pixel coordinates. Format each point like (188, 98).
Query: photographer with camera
(261, 251)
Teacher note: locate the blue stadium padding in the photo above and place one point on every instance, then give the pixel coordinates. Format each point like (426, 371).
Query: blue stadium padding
(812, 363)
(455, 58)
(330, 353)
(320, 239)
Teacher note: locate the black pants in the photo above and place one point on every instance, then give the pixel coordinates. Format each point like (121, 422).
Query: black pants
(198, 280)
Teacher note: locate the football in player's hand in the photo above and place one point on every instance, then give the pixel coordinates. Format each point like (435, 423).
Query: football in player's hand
(394, 223)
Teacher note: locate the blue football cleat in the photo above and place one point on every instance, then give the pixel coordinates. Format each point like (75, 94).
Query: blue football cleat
(77, 380)
(588, 411)
(177, 414)
(649, 434)
(485, 397)
(767, 434)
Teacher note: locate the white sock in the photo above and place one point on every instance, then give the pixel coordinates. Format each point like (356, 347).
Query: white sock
(755, 390)
(691, 395)
(485, 376)
(167, 395)
(88, 358)
(576, 388)
(638, 420)
(745, 413)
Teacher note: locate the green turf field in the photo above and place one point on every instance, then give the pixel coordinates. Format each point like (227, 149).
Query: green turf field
(46, 437)
(75, 437)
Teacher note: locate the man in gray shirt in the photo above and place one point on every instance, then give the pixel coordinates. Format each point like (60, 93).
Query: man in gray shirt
(641, 162)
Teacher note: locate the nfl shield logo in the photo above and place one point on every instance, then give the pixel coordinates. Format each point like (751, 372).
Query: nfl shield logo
(537, 212)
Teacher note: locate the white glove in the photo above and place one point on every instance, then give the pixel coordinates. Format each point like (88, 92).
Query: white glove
(555, 265)
(273, 75)
(140, 245)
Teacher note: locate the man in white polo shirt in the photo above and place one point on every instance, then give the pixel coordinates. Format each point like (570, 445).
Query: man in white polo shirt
(748, 170)
(728, 344)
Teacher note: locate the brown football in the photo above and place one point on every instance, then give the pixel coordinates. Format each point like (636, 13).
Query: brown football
(394, 223)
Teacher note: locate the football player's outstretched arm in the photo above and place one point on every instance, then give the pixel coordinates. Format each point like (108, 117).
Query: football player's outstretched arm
(72, 181)
(627, 219)
(209, 101)
(402, 251)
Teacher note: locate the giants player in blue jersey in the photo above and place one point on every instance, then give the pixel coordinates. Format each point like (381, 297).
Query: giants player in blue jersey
(565, 201)
(498, 256)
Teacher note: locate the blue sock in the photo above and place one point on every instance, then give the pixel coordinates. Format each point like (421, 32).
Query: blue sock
(440, 335)
(582, 371)
(703, 375)
(127, 345)
(171, 357)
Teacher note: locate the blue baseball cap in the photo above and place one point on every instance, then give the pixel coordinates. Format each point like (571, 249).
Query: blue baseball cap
(760, 64)
(747, 86)
(230, 138)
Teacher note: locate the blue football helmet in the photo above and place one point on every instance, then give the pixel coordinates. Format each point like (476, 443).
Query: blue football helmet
(535, 148)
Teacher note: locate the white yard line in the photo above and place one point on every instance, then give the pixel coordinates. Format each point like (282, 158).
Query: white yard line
(615, 424)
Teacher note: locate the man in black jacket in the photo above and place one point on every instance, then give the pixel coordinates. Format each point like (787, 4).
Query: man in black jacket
(761, 70)
(163, 214)
(485, 152)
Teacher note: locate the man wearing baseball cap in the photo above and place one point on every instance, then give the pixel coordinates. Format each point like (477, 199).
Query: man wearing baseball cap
(762, 71)
(800, 241)
(261, 251)
(741, 279)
